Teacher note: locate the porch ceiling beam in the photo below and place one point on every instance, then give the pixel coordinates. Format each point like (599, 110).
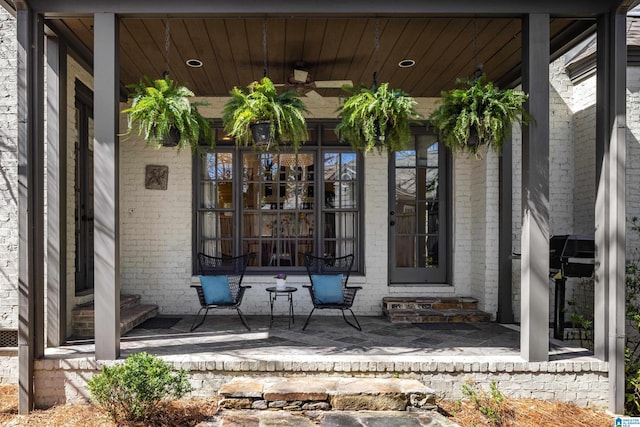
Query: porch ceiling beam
(357, 7)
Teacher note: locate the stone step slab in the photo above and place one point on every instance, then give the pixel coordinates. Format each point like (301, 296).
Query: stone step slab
(346, 394)
(328, 419)
(429, 303)
(436, 316)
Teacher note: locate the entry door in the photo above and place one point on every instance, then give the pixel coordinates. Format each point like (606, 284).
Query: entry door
(84, 189)
(418, 226)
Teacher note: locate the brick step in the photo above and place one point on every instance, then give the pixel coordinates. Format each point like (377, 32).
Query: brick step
(436, 316)
(132, 313)
(429, 303)
(133, 316)
(327, 393)
(126, 301)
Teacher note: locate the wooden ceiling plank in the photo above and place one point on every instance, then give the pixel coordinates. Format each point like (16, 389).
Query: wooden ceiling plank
(240, 55)
(219, 43)
(175, 62)
(443, 32)
(151, 58)
(336, 48)
(402, 34)
(197, 32)
(276, 49)
(131, 70)
(182, 48)
(293, 49)
(423, 35)
(459, 50)
(312, 43)
(348, 51)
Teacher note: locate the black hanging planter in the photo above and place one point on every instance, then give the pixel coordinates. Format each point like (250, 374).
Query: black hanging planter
(473, 140)
(261, 132)
(172, 139)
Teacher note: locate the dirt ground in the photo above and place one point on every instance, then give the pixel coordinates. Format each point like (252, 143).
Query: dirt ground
(190, 412)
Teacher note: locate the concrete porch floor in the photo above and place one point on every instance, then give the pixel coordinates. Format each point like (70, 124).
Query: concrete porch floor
(443, 357)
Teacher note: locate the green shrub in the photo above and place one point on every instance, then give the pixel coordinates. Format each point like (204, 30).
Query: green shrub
(491, 405)
(135, 389)
(632, 351)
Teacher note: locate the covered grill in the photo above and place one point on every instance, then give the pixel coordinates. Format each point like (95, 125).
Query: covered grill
(569, 256)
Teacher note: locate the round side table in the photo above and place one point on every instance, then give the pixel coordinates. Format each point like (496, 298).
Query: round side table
(273, 295)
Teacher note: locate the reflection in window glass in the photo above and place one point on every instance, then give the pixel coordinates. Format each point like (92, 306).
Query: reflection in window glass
(279, 205)
(416, 213)
(215, 207)
(278, 196)
(340, 204)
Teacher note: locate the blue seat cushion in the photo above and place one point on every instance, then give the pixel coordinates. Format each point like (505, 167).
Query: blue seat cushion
(216, 289)
(327, 289)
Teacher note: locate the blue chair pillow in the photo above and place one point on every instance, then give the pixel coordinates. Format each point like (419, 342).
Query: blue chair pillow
(327, 289)
(216, 289)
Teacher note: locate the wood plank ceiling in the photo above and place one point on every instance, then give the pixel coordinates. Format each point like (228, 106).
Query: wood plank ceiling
(233, 50)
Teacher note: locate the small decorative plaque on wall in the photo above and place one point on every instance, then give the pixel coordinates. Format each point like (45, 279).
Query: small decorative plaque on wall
(156, 177)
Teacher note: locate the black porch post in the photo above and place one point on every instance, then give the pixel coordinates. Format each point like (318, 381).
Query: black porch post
(30, 200)
(610, 201)
(534, 335)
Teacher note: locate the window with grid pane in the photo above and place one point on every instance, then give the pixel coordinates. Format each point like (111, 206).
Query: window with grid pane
(279, 205)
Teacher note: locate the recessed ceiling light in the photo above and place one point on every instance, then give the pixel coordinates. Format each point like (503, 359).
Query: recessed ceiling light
(406, 63)
(195, 63)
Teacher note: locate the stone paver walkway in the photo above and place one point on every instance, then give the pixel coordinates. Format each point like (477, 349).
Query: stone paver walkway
(327, 419)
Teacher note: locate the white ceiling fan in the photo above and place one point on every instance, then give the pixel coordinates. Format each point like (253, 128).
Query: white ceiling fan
(299, 80)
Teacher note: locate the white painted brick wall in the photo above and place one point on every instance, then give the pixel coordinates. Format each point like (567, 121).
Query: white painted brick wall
(633, 156)
(9, 169)
(581, 383)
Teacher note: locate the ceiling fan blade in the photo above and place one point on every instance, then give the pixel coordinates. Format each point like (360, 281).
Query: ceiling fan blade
(313, 94)
(300, 76)
(325, 84)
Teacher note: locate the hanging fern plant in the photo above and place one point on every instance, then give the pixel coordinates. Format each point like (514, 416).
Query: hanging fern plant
(162, 112)
(377, 118)
(260, 102)
(479, 116)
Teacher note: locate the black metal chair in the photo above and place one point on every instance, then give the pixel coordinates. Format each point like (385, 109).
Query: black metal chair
(231, 268)
(327, 272)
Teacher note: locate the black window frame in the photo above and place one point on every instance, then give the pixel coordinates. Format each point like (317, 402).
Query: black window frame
(321, 142)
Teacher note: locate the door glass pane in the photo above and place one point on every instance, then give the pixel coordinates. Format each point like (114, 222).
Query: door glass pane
(406, 185)
(405, 251)
(416, 232)
(278, 217)
(431, 250)
(405, 218)
(347, 195)
(431, 184)
(405, 158)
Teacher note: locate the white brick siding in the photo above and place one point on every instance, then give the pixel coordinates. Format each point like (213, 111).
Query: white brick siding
(9, 173)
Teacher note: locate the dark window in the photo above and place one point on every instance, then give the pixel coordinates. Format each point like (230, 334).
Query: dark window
(83, 189)
(280, 205)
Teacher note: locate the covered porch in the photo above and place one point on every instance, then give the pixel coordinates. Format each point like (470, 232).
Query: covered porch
(442, 356)
(226, 350)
